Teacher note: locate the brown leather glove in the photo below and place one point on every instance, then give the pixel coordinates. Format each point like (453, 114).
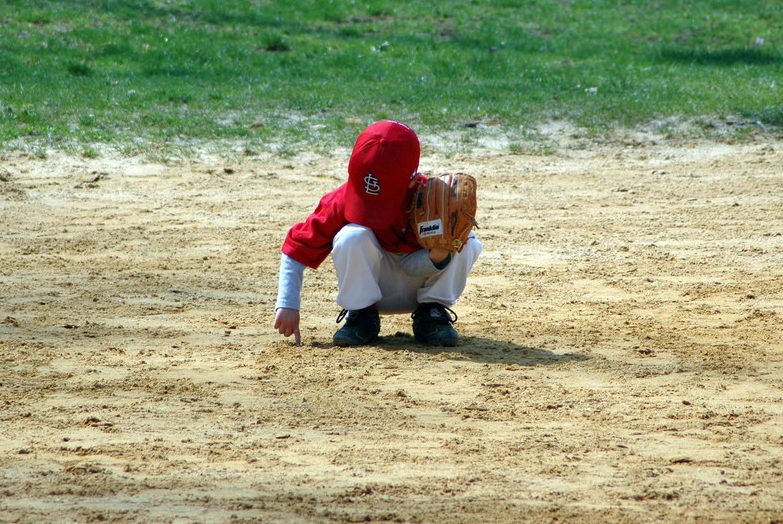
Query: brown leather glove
(444, 211)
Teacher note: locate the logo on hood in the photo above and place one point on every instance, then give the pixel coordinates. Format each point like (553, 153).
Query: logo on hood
(372, 185)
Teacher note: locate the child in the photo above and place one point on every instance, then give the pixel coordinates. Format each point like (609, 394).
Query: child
(380, 267)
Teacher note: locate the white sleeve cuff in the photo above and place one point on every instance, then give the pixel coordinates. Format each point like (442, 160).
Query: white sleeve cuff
(289, 284)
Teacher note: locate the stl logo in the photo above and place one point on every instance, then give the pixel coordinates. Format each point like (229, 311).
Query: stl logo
(372, 186)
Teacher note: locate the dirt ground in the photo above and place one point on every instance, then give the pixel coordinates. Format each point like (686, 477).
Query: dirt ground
(622, 354)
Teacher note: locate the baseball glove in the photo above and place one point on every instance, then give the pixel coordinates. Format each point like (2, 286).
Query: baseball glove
(444, 211)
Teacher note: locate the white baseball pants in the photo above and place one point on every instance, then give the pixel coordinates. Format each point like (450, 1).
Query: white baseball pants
(367, 274)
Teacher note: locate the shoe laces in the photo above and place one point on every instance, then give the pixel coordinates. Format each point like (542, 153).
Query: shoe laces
(437, 312)
(353, 314)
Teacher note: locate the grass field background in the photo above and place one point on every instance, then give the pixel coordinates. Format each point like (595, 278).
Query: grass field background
(280, 75)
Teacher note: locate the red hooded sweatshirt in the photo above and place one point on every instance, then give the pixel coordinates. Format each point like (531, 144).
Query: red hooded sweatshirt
(310, 242)
(377, 195)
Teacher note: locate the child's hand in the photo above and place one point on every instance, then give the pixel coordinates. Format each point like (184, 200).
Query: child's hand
(287, 323)
(438, 255)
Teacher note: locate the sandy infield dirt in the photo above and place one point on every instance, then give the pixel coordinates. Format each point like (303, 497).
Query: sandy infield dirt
(622, 356)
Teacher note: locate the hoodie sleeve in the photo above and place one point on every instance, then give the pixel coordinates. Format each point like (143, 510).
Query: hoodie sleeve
(310, 242)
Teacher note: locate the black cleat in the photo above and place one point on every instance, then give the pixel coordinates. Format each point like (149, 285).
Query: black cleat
(361, 327)
(432, 325)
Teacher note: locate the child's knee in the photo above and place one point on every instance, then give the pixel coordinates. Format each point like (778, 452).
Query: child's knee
(472, 248)
(352, 237)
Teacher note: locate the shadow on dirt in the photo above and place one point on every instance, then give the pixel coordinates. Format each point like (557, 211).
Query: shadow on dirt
(483, 350)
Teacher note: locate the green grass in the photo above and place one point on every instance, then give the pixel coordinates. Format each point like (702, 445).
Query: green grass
(314, 73)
